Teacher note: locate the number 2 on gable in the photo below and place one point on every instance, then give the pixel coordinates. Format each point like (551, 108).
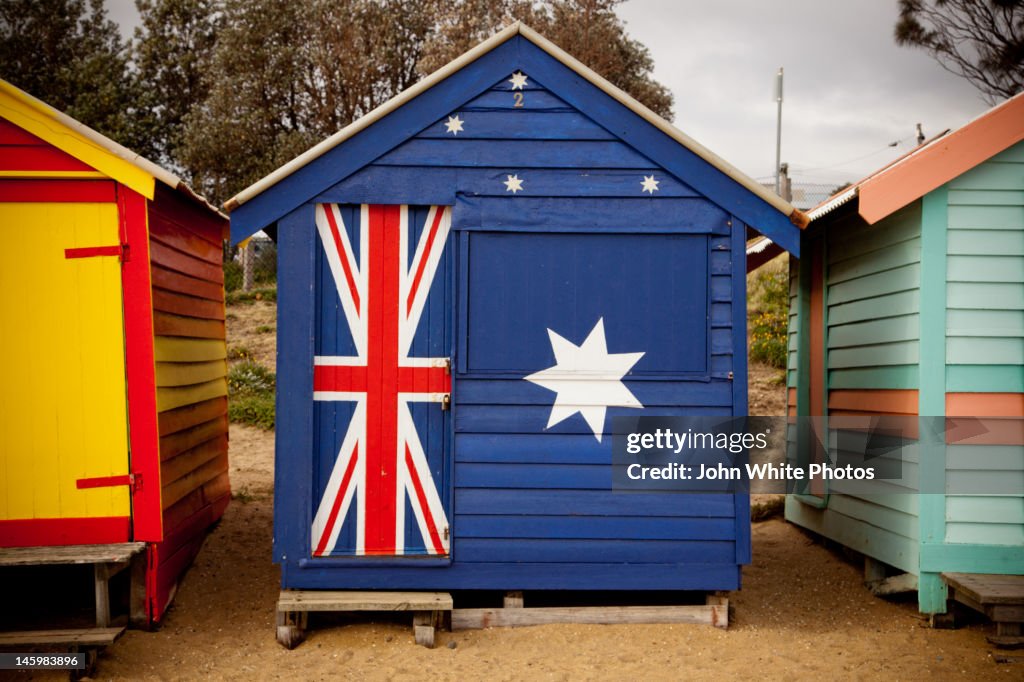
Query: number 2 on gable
(518, 97)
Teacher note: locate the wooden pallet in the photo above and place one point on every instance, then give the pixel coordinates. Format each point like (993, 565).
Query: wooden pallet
(294, 606)
(714, 612)
(1000, 597)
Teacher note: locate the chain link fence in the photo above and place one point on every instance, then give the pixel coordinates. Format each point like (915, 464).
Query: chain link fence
(250, 266)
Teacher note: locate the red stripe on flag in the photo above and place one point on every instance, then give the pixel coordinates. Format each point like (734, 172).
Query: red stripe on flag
(329, 211)
(339, 378)
(435, 538)
(438, 214)
(333, 517)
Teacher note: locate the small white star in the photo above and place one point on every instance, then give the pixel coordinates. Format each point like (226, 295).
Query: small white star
(650, 184)
(518, 80)
(454, 124)
(587, 379)
(513, 183)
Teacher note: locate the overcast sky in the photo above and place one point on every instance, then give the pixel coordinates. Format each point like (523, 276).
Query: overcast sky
(849, 90)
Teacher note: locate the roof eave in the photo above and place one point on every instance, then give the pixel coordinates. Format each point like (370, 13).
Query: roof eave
(797, 217)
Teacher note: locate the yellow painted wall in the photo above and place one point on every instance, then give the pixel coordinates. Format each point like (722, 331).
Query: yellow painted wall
(62, 373)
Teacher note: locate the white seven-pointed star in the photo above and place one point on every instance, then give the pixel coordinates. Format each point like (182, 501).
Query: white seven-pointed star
(518, 80)
(587, 379)
(650, 184)
(513, 183)
(454, 124)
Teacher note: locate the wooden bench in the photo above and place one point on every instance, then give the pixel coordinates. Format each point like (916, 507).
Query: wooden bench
(294, 606)
(999, 597)
(107, 561)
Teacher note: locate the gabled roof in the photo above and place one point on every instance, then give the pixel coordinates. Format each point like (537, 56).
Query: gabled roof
(250, 224)
(933, 164)
(82, 142)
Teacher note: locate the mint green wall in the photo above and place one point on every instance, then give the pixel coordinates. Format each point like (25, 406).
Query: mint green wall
(985, 274)
(873, 278)
(985, 340)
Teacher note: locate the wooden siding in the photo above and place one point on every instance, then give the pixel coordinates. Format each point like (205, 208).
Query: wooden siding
(985, 290)
(532, 506)
(191, 369)
(871, 312)
(873, 279)
(22, 154)
(985, 347)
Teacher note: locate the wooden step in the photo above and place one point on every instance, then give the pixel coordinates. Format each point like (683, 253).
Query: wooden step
(79, 636)
(115, 553)
(325, 600)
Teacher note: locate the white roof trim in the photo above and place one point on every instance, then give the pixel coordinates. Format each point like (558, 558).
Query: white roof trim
(518, 28)
(832, 204)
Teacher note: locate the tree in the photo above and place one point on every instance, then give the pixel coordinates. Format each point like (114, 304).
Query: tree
(587, 29)
(981, 40)
(285, 75)
(71, 56)
(173, 51)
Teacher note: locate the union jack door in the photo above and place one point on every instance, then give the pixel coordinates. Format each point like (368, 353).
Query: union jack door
(381, 381)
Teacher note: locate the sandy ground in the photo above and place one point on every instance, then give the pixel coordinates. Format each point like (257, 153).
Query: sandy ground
(802, 614)
(252, 332)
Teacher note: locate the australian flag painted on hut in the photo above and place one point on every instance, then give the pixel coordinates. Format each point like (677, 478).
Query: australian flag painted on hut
(473, 280)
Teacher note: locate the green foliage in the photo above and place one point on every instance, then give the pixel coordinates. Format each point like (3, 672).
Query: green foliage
(587, 29)
(239, 353)
(70, 55)
(250, 297)
(251, 394)
(232, 276)
(980, 40)
(769, 317)
(172, 51)
(265, 329)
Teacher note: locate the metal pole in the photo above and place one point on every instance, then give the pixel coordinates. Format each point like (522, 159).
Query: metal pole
(778, 132)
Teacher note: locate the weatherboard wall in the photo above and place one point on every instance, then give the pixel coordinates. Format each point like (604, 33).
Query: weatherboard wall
(869, 353)
(985, 348)
(532, 507)
(925, 314)
(191, 385)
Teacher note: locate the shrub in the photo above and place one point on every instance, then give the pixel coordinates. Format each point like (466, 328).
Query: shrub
(251, 394)
(232, 276)
(769, 319)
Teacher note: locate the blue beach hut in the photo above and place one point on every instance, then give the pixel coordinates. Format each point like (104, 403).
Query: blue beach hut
(473, 279)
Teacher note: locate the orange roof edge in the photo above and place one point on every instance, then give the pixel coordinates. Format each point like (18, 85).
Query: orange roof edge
(948, 157)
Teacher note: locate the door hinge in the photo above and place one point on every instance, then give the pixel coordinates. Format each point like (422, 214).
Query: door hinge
(446, 402)
(446, 533)
(119, 250)
(448, 366)
(133, 481)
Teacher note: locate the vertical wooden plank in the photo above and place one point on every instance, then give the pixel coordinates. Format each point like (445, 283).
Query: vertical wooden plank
(101, 578)
(739, 368)
(931, 591)
(293, 456)
(144, 436)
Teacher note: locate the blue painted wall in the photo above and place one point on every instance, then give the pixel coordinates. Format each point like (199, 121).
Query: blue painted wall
(530, 507)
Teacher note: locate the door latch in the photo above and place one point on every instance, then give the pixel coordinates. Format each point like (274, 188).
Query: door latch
(446, 402)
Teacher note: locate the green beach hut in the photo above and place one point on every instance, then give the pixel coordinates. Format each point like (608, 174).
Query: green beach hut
(909, 300)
